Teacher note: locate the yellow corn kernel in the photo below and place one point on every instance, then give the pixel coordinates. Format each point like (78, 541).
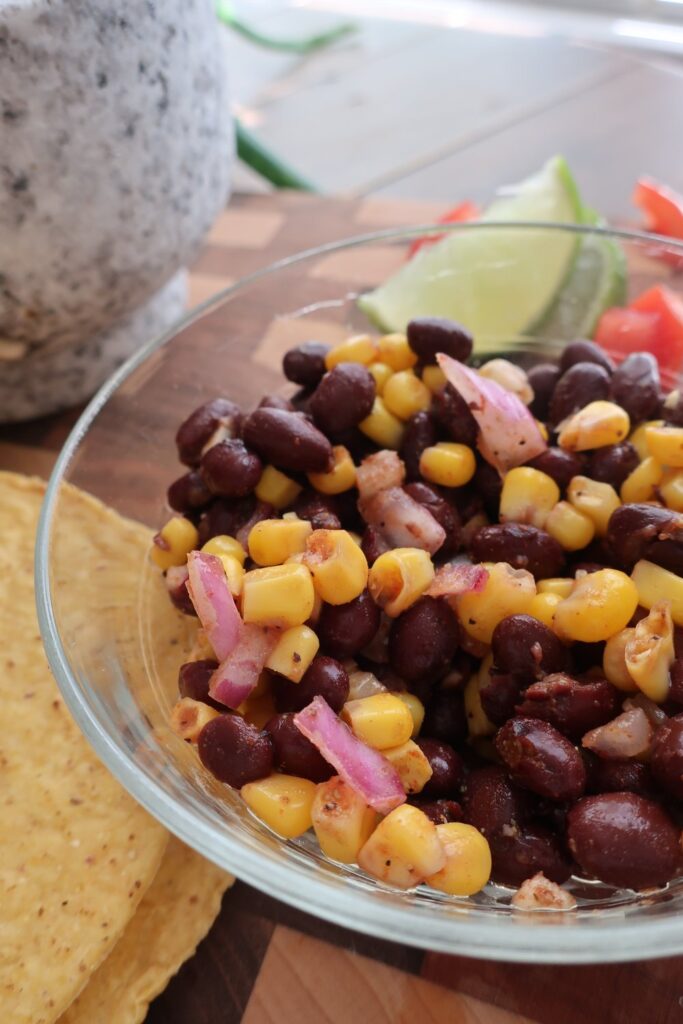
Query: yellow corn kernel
(404, 849)
(282, 802)
(294, 652)
(413, 767)
(448, 464)
(665, 444)
(528, 496)
(478, 722)
(405, 394)
(276, 489)
(223, 544)
(338, 566)
(600, 604)
(507, 591)
(561, 585)
(434, 378)
(340, 478)
(595, 426)
(234, 572)
(395, 351)
(281, 595)
(272, 541)
(399, 577)
(382, 427)
(639, 438)
(543, 608)
(381, 721)
(570, 527)
(657, 584)
(173, 543)
(640, 485)
(416, 708)
(189, 717)
(650, 653)
(359, 348)
(468, 860)
(258, 710)
(671, 490)
(595, 499)
(342, 821)
(614, 661)
(381, 372)
(509, 376)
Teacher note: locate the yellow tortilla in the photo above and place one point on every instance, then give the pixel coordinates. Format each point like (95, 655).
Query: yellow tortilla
(175, 914)
(77, 854)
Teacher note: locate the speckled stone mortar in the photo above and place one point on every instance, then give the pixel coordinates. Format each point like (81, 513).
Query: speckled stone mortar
(115, 151)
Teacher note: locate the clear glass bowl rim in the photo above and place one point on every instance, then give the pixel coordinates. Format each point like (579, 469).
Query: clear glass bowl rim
(501, 938)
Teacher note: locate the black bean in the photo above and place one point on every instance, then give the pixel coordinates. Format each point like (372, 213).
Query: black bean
(373, 544)
(524, 547)
(635, 386)
(649, 532)
(613, 463)
(293, 753)
(288, 440)
(583, 351)
(321, 510)
(492, 803)
(423, 640)
(345, 629)
(188, 493)
(524, 646)
(676, 673)
(671, 410)
(234, 751)
(572, 706)
(667, 757)
(501, 695)
(523, 852)
(582, 383)
(343, 398)
(617, 776)
(543, 377)
(225, 516)
(419, 433)
(230, 470)
(193, 681)
(624, 840)
(440, 811)
(198, 429)
(325, 677)
(559, 464)
(446, 765)
(453, 414)
(488, 483)
(276, 402)
(305, 364)
(176, 586)
(541, 759)
(428, 335)
(445, 717)
(443, 511)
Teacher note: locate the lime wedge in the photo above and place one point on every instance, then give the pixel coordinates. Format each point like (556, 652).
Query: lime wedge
(596, 282)
(498, 282)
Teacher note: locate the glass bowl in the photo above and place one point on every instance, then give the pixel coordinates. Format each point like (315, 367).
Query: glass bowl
(103, 654)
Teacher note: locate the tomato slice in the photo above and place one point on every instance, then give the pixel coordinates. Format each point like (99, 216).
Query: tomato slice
(462, 212)
(669, 308)
(623, 331)
(663, 209)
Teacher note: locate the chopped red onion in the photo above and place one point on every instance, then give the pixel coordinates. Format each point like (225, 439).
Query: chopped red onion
(402, 521)
(628, 735)
(457, 578)
(238, 674)
(378, 472)
(210, 594)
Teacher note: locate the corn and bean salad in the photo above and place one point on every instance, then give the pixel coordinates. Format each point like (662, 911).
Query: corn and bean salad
(441, 611)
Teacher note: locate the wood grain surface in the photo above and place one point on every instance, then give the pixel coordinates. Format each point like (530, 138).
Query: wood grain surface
(264, 962)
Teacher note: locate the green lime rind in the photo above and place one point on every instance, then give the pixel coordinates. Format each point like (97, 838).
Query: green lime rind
(497, 282)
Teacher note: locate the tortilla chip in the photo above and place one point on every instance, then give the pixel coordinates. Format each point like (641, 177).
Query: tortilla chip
(175, 914)
(76, 852)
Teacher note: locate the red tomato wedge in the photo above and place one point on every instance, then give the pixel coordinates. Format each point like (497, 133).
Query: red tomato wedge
(465, 211)
(669, 308)
(663, 209)
(652, 323)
